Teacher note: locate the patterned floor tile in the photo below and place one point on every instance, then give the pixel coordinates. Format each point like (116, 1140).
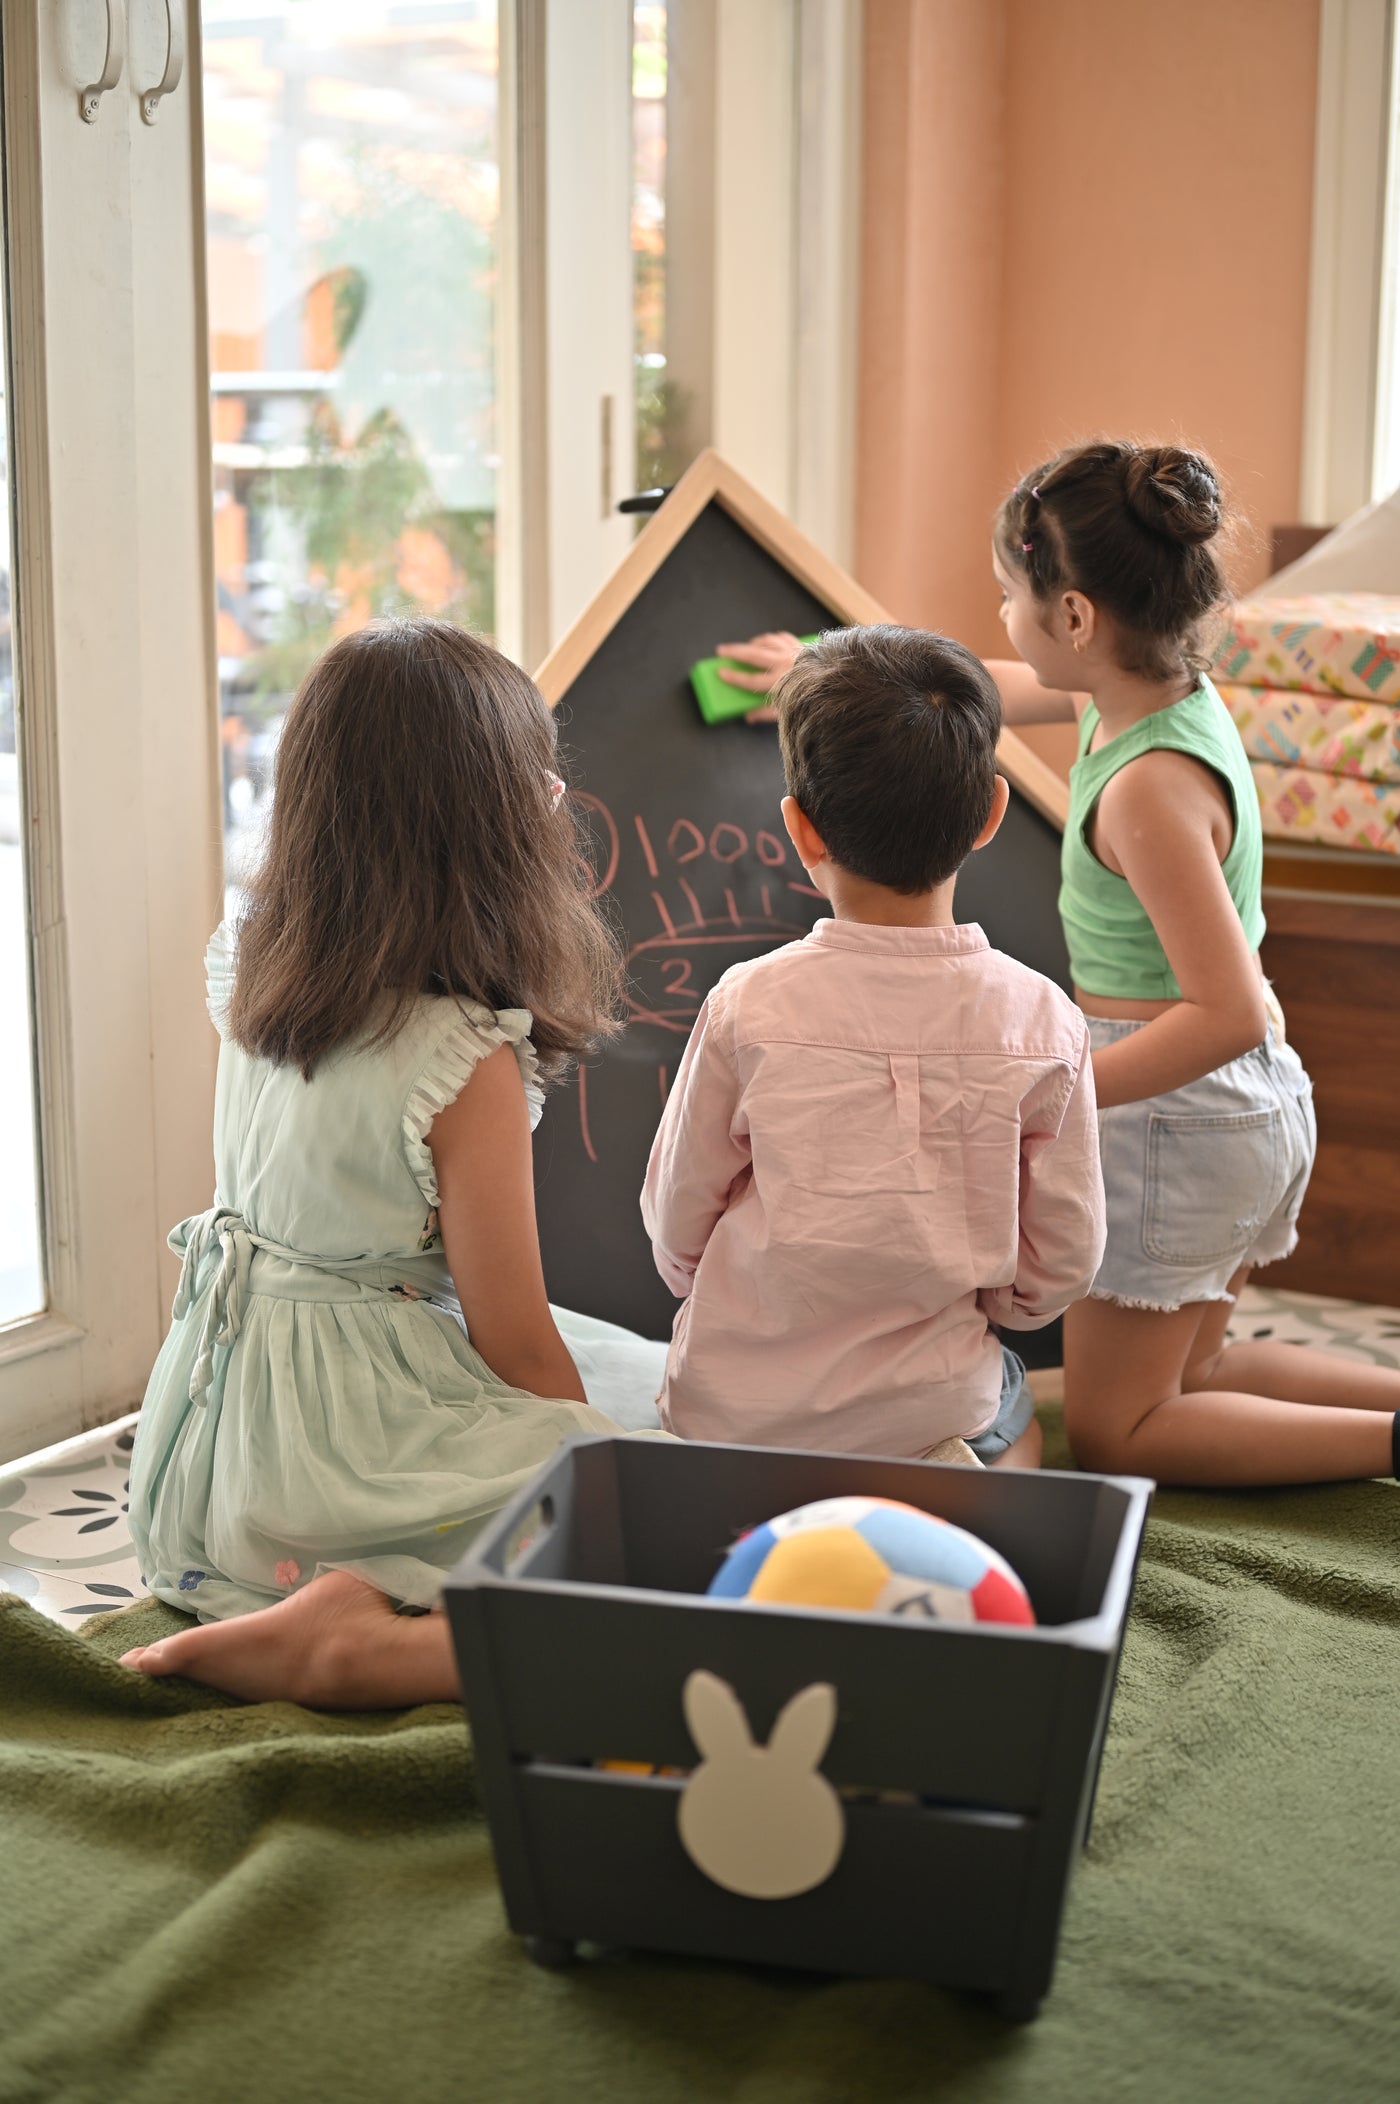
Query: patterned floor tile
(65, 1598)
(75, 1454)
(64, 1539)
(69, 1508)
(1348, 1327)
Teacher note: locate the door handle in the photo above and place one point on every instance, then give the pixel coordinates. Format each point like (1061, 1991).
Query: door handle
(90, 98)
(174, 61)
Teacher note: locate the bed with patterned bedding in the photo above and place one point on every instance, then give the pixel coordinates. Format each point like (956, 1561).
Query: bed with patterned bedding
(1313, 684)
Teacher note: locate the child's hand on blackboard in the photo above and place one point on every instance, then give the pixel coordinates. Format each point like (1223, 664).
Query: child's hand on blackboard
(770, 656)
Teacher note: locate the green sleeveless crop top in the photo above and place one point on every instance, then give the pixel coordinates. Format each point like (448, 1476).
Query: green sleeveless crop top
(1113, 946)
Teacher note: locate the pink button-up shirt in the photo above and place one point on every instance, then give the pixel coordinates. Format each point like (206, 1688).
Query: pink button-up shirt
(880, 1141)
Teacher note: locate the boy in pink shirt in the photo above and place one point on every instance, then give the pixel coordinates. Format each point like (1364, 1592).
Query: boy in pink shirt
(881, 1141)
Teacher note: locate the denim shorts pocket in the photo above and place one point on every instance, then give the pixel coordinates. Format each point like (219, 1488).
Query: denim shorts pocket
(1212, 1181)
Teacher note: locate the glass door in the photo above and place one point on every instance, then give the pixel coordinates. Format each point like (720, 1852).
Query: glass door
(353, 206)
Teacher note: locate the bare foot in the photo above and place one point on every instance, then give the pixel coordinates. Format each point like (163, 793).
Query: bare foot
(336, 1644)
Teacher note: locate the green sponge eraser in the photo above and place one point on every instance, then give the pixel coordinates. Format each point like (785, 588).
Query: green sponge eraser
(718, 700)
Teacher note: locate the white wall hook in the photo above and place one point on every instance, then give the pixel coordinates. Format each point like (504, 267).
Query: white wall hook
(174, 62)
(90, 98)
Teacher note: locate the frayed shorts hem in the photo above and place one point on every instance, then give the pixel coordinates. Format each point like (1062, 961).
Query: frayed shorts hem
(1157, 1307)
(1256, 1261)
(1250, 1261)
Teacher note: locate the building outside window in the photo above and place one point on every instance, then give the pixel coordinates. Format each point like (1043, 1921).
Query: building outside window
(352, 215)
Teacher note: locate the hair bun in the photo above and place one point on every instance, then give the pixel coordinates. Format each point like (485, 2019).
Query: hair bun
(1173, 493)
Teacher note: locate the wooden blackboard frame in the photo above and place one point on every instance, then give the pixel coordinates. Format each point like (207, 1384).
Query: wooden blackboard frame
(711, 480)
(600, 1275)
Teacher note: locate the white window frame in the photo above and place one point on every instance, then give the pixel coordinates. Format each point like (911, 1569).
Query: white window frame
(1347, 393)
(588, 412)
(115, 693)
(764, 178)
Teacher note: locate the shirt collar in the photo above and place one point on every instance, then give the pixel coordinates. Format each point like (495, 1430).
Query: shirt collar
(963, 940)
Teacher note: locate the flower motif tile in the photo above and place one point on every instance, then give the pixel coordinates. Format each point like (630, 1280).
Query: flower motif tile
(64, 1598)
(68, 1509)
(59, 1521)
(64, 1539)
(1347, 1327)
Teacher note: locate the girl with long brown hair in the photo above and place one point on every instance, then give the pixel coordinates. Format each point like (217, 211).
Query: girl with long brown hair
(363, 1363)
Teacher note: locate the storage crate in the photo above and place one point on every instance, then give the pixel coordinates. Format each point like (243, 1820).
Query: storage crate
(965, 1755)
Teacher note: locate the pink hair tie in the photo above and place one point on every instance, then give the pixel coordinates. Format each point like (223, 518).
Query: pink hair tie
(1026, 547)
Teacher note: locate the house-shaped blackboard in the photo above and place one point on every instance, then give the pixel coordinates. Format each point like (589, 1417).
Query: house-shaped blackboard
(690, 850)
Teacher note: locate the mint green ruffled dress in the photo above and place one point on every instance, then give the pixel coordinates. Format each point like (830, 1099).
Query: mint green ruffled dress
(317, 1404)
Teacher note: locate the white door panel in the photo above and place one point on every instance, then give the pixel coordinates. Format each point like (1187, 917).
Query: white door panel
(588, 295)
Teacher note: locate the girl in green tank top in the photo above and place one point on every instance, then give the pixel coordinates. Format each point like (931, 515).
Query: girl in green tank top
(1104, 560)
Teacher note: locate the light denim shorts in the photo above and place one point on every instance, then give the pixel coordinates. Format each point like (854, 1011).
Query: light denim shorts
(1205, 1179)
(1016, 1409)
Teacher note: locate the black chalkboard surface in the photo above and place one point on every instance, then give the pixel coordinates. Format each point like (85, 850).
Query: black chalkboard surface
(690, 851)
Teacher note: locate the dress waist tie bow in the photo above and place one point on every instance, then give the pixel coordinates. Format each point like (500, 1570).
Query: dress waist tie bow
(223, 1230)
(230, 1234)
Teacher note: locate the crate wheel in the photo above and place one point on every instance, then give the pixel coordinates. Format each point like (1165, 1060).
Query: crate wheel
(553, 1951)
(1019, 2008)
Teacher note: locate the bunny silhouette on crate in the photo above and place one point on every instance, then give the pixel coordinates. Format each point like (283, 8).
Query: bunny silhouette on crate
(760, 1820)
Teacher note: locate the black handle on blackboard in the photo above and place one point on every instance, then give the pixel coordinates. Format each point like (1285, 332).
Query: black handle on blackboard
(646, 499)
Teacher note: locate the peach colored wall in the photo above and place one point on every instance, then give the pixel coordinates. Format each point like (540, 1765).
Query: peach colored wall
(927, 416)
(1079, 215)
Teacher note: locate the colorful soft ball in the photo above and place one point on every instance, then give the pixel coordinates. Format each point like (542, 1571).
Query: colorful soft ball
(873, 1556)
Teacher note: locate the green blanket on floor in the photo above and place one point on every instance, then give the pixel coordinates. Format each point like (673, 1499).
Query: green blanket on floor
(227, 1904)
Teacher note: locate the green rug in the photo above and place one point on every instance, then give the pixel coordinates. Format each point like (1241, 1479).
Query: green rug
(224, 1904)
